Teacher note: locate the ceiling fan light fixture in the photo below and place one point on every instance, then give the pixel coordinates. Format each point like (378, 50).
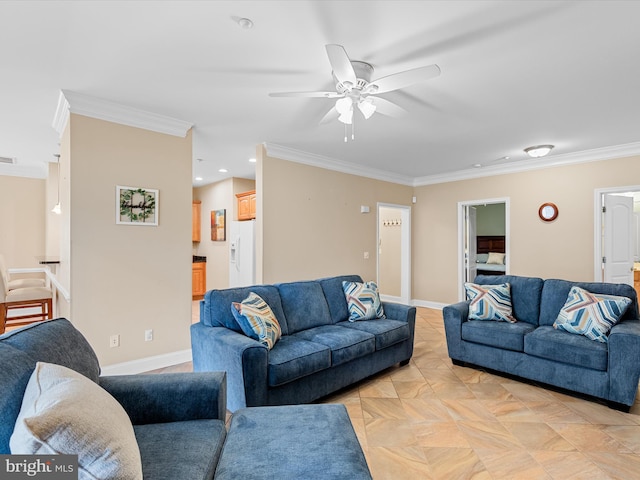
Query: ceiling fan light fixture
(346, 117)
(367, 107)
(538, 151)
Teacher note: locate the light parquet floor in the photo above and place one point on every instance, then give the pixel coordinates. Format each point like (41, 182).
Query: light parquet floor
(433, 420)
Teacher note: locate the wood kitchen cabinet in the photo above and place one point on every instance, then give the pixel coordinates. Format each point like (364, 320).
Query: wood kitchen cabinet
(246, 205)
(196, 210)
(198, 280)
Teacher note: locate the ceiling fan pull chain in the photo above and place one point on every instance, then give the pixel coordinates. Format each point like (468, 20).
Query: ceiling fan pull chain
(353, 127)
(345, 133)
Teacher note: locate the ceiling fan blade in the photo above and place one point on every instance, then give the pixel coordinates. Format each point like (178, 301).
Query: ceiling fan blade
(385, 107)
(403, 79)
(340, 63)
(307, 94)
(330, 116)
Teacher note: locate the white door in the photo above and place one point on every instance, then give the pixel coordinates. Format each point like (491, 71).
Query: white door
(618, 239)
(472, 245)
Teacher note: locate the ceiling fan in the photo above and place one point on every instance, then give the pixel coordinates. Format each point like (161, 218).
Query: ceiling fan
(355, 88)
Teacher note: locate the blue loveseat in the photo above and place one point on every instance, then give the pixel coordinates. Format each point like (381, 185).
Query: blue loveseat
(179, 419)
(533, 349)
(319, 353)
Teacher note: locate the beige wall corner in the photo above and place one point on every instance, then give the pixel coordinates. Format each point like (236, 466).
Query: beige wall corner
(312, 225)
(126, 279)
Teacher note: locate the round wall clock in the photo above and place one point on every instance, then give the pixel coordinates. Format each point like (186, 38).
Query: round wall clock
(548, 212)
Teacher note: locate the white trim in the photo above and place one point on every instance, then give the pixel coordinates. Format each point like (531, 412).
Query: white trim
(507, 235)
(390, 298)
(597, 222)
(314, 160)
(147, 364)
(585, 156)
(73, 102)
(429, 304)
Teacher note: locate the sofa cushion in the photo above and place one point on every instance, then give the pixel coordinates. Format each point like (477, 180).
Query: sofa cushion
(188, 449)
(505, 335)
(63, 412)
(345, 344)
(15, 371)
(334, 294)
(555, 293)
(363, 300)
(217, 303)
(387, 332)
(304, 305)
(590, 314)
(490, 302)
(525, 294)
(547, 342)
(70, 349)
(257, 320)
(292, 358)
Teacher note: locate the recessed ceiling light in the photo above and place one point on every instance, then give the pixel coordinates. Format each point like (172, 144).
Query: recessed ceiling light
(477, 165)
(252, 160)
(223, 170)
(538, 150)
(198, 179)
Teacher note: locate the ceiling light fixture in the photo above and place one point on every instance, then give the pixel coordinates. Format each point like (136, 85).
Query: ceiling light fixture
(57, 209)
(223, 170)
(538, 150)
(245, 23)
(198, 179)
(252, 160)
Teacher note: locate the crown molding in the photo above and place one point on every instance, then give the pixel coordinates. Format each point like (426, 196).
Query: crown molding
(73, 102)
(585, 156)
(314, 160)
(39, 170)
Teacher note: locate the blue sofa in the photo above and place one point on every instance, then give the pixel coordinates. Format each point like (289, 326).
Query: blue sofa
(319, 353)
(179, 419)
(531, 348)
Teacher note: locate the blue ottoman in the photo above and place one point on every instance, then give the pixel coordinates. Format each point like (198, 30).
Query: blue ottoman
(292, 442)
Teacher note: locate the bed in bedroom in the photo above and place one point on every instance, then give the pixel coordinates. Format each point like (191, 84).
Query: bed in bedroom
(490, 254)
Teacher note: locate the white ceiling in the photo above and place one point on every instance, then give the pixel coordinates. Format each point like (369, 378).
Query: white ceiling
(514, 74)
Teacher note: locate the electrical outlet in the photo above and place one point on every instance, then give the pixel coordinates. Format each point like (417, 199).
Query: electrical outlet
(114, 341)
(148, 335)
(366, 255)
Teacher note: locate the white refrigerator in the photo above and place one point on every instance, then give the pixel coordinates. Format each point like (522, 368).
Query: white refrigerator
(242, 259)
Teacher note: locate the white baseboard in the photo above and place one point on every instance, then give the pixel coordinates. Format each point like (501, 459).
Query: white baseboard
(428, 304)
(148, 363)
(390, 298)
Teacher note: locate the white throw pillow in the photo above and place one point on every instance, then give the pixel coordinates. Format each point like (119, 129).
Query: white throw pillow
(63, 412)
(496, 258)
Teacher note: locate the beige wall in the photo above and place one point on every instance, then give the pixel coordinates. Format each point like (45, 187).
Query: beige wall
(216, 197)
(22, 220)
(125, 279)
(561, 249)
(312, 226)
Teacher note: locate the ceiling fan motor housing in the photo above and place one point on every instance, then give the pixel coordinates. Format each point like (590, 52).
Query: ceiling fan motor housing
(363, 73)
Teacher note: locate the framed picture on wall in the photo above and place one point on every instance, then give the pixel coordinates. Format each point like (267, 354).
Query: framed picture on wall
(218, 225)
(136, 206)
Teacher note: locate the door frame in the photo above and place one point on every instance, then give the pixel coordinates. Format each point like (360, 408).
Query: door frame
(597, 225)
(461, 235)
(405, 250)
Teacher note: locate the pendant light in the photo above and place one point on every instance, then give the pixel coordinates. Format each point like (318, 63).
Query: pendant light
(56, 209)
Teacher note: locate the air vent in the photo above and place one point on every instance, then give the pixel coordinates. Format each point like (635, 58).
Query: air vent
(8, 160)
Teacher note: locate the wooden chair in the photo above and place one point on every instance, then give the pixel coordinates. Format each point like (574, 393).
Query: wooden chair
(21, 298)
(12, 284)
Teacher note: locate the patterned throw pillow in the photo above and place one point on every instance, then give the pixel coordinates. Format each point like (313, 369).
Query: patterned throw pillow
(590, 314)
(256, 320)
(490, 302)
(363, 300)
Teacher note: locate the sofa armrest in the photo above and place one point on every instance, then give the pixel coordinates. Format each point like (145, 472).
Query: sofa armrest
(624, 361)
(399, 311)
(170, 397)
(245, 360)
(454, 316)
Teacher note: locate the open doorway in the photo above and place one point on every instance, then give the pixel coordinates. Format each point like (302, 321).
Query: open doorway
(617, 234)
(483, 239)
(394, 252)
